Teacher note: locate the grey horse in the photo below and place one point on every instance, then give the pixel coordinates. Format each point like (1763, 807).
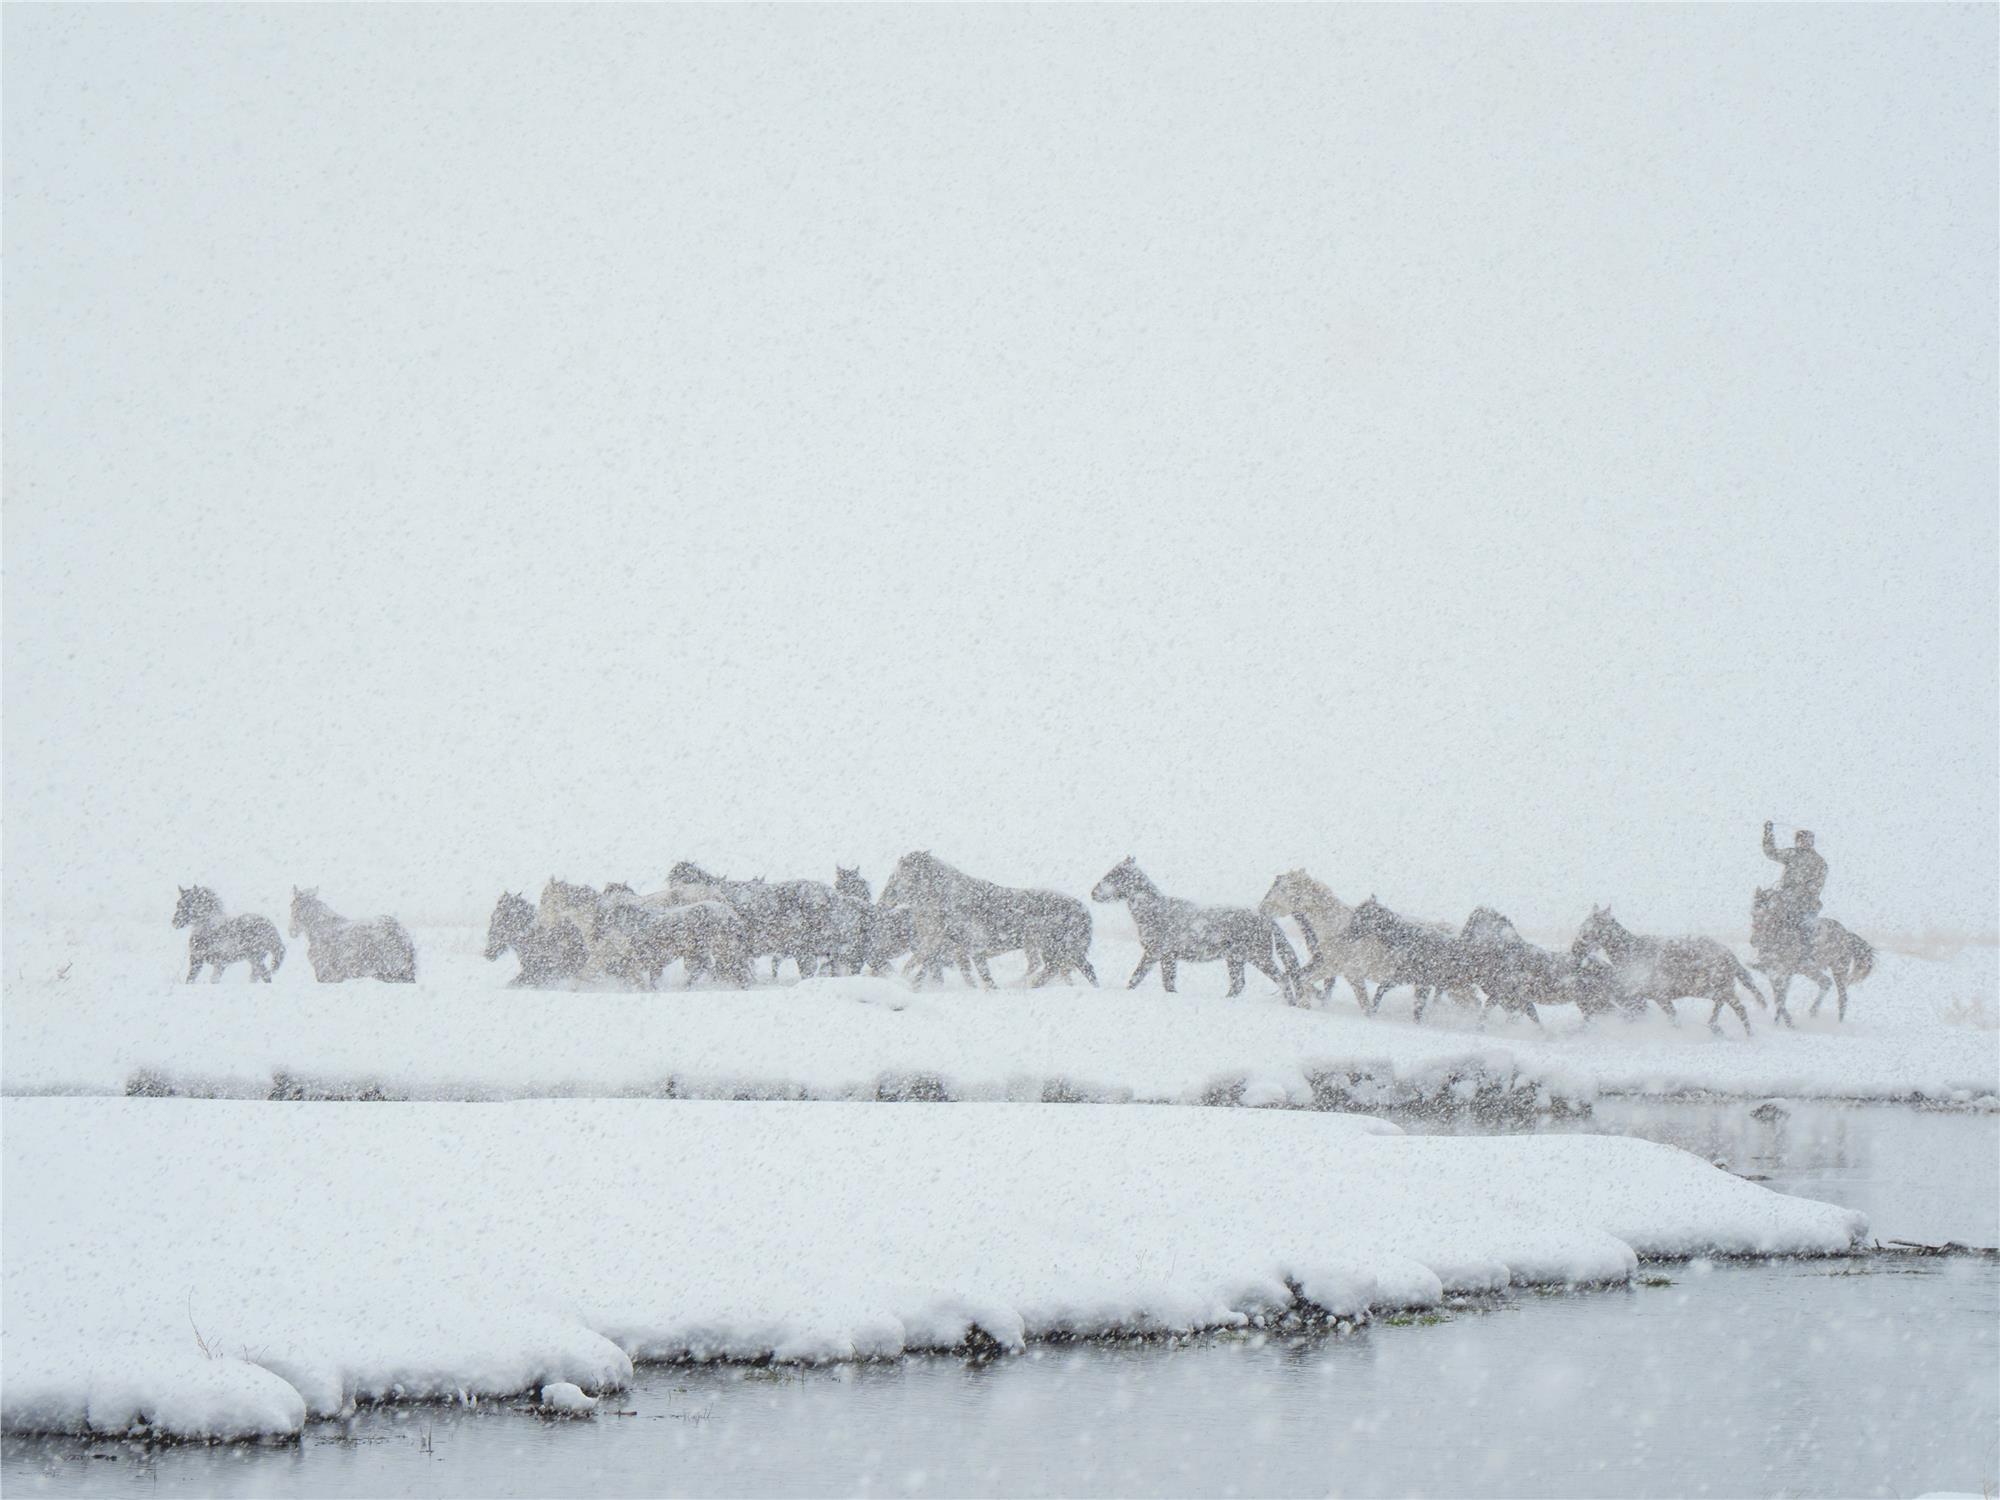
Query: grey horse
(1431, 961)
(1663, 970)
(708, 937)
(1516, 975)
(219, 939)
(339, 950)
(549, 954)
(1052, 930)
(791, 919)
(1833, 956)
(887, 932)
(1173, 931)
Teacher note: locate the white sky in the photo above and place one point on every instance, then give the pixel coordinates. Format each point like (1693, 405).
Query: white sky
(1482, 456)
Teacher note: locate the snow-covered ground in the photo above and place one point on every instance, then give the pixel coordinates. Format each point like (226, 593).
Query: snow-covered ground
(117, 1020)
(204, 1268)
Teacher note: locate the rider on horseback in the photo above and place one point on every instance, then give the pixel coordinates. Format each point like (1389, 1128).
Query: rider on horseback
(1795, 903)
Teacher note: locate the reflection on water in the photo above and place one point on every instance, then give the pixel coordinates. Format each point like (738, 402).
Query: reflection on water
(1924, 1175)
(1872, 1377)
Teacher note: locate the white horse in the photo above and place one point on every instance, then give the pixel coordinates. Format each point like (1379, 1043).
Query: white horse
(339, 950)
(1337, 951)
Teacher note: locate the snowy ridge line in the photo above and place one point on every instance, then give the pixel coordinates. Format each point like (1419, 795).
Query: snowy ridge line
(227, 1270)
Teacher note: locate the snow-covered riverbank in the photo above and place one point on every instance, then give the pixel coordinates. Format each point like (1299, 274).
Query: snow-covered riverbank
(228, 1269)
(118, 1021)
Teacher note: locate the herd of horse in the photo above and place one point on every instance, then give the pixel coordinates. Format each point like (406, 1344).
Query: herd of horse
(931, 916)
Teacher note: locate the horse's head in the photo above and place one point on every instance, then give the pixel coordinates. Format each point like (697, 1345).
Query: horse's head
(1370, 917)
(1285, 896)
(852, 885)
(1120, 881)
(1486, 925)
(894, 889)
(196, 903)
(687, 872)
(512, 917)
(306, 906)
(1599, 926)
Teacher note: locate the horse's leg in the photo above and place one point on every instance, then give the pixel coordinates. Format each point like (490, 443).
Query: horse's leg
(1668, 1006)
(1145, 968)
(194, 969)
(1235, 978)
(1781, 984)
(1840, 983)
(1167, 968)
(1276, 975)
(1742, 1011)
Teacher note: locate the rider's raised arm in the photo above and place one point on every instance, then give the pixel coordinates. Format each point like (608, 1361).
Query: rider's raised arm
(1772, 851)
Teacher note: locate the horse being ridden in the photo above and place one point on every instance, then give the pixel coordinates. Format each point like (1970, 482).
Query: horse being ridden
(549, 955)
(1050, 929)
(340, 950)
(1173, 931)
(219, 939)
(1826, 953)
(1663, 970)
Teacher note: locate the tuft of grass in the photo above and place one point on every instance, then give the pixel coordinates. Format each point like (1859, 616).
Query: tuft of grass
(1415, 1319)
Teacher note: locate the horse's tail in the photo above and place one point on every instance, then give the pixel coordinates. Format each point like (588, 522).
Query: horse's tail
(1743, 978)
(277, 951)
(1282, 947)
(1864, 959)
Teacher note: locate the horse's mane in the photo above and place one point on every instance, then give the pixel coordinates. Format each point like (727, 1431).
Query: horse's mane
(1486, 919)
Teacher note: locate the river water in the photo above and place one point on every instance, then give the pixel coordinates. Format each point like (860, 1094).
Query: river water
(1872, 1377)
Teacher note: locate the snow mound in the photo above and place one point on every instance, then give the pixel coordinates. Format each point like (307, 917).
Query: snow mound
(228, 1270)
(567, 1398)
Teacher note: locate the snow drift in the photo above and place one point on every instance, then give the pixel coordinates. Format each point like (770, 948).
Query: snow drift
(220, 1269)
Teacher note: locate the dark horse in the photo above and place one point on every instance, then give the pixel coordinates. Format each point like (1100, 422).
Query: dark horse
(1516, 975)
(1663, 970)
(1430, 960)
(549, 954)
(1833, 955)
(1173, 931)
(220, 939)
(793, 919)
(1052, 930)
(887, 932)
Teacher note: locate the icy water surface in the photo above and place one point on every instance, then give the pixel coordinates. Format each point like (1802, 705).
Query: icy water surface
(1870, 1377)
(1919, 1174)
